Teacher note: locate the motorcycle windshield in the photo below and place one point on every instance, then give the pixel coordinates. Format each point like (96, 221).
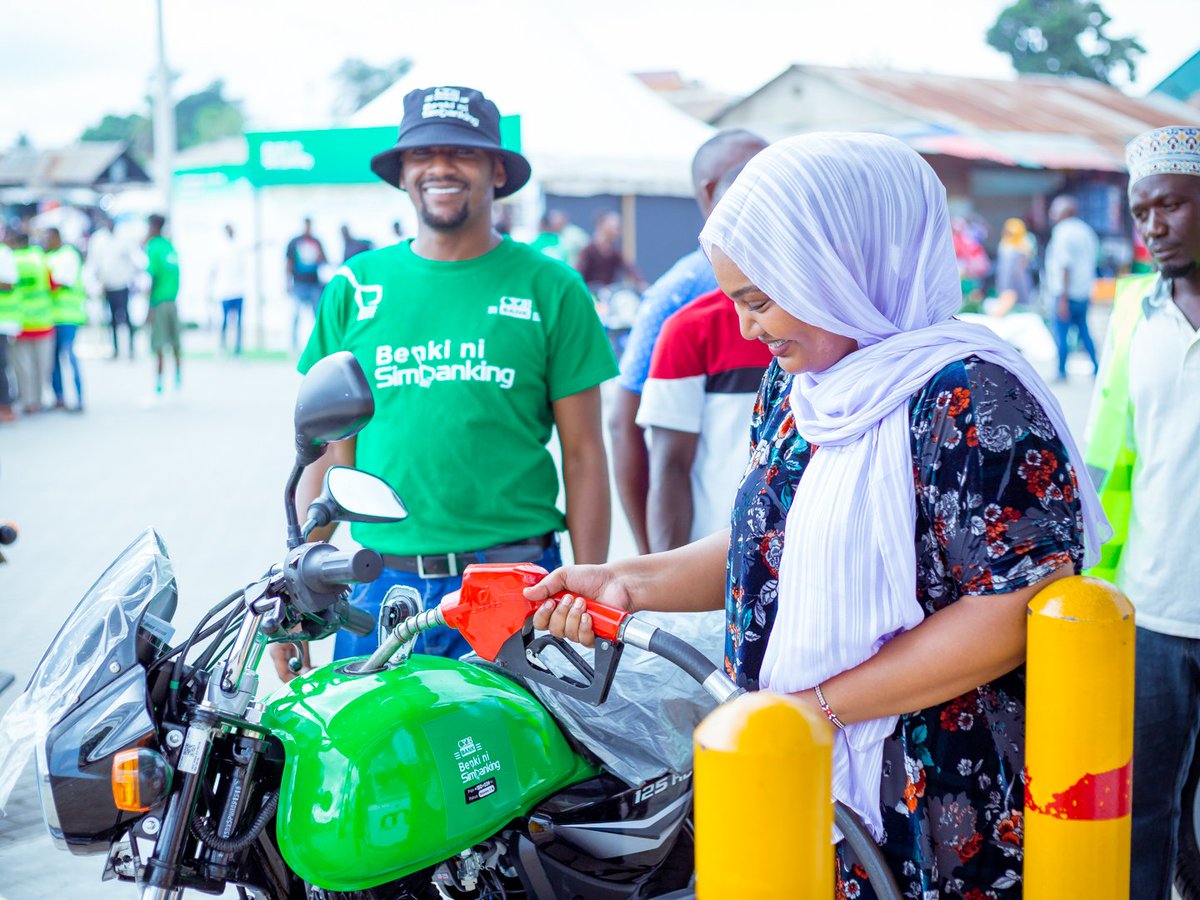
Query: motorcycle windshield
(94, 645)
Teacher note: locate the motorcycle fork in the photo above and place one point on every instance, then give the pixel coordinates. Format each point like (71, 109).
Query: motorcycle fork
(236, 773)
(162, 869)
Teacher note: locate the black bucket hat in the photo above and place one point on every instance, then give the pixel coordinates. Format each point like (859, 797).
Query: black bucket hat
(451, 117)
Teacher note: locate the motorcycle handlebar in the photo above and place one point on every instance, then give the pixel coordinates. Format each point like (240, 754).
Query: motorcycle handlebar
(358, 621)
(330, 571)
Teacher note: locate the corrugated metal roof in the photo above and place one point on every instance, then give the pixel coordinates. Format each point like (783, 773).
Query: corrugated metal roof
(80, 165)
(1038, 121)
(1060, 107)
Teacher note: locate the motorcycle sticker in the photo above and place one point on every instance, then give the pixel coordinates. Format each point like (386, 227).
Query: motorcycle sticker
(194, 744)
(479, 791)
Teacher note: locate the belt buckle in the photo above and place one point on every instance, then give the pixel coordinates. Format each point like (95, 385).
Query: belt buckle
(451, 568)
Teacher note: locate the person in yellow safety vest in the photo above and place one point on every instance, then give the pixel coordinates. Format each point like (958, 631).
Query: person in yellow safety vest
(68, 302)
(1142, 439)
(35, 343)
(10, 325)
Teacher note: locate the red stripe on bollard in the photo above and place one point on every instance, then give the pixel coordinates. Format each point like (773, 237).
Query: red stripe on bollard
(1092, 798)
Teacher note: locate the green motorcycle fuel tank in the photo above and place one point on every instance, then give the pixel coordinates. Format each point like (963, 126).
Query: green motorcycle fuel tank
(392, 772)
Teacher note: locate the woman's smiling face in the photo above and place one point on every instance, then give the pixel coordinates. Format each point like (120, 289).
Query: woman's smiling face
(798, 346)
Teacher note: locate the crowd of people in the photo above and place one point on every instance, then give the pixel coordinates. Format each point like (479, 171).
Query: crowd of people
(44, 287)
(870, 488)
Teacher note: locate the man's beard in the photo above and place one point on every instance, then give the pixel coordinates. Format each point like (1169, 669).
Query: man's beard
(1183, 271)
(453, 222)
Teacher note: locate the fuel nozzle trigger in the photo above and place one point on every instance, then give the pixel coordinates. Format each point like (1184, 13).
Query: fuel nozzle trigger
(553, 662)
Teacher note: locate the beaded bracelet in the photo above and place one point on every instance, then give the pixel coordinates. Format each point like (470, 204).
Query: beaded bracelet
(829, 713)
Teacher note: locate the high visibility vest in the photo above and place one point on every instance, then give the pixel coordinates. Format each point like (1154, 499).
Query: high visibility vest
(68, 301)
(10, 306)
(1110, 456)
(33, 289)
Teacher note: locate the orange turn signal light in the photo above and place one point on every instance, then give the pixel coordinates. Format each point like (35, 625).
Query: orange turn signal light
(141, 777)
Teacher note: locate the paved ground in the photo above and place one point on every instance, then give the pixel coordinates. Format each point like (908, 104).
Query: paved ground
(206, 468)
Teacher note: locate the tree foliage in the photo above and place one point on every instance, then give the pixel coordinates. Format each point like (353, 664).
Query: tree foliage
(1063, 37)
(133, 129)
(359, 83)
(206, 116)
(200, 117)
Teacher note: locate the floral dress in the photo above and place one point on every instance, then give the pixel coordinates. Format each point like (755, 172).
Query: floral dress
(997, 511)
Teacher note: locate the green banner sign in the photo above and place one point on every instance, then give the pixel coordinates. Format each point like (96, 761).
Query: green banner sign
(331, 156)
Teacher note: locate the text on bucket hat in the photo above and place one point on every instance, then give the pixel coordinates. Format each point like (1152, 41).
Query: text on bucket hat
(1173, 150)
(451, 117)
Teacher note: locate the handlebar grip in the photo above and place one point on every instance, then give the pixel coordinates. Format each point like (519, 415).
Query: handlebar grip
(342, 567)
(359, 621)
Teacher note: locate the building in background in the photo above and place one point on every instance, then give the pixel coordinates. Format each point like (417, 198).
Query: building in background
(1184, 83)
(1002, 148)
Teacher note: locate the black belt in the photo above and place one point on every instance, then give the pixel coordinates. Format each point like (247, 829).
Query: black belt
(451, 565)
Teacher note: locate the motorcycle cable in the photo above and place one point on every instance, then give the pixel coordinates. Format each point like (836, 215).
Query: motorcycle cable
(230, 623)
(182, 650)
(196, 635)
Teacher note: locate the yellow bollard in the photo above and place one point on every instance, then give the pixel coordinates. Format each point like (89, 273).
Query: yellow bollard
(1078, 741)
(768, 756)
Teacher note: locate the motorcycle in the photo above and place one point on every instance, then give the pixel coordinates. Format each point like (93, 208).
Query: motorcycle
(397, 775)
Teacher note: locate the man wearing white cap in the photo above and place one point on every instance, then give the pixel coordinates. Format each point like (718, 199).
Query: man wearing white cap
(1142, 440)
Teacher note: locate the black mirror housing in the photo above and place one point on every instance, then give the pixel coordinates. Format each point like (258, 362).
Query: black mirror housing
(334, 402)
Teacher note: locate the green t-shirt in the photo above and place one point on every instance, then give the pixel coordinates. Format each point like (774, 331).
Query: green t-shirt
(464, 359)
(163, 268)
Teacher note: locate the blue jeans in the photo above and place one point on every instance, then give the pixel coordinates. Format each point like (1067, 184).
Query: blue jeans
(438, 642)
(64, 343)
(1166, 724)
(232, 308)
(1076, 318)
(307, 296)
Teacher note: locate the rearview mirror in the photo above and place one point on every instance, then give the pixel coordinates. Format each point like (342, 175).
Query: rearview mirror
(357, 496)
(334, 402)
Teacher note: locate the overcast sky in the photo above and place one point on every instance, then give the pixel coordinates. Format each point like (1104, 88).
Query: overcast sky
(77, 60)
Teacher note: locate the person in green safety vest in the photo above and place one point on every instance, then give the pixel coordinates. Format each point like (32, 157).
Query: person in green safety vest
(163, 268)
(1142, 438)
(10, 325)
(68, 306)
(35, 343)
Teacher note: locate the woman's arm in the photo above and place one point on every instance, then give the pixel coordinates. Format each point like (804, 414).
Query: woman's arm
(688, 579)
(969, 643)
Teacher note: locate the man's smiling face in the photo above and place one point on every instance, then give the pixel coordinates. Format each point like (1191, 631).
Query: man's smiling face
(451, 186)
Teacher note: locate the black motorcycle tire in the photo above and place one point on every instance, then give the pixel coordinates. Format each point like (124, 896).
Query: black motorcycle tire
(1187, 860)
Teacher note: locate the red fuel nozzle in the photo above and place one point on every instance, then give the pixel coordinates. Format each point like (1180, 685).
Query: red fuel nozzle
(492, 607)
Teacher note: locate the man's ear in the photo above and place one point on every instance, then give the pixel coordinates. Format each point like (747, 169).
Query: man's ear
(499, 174)
(708, 191)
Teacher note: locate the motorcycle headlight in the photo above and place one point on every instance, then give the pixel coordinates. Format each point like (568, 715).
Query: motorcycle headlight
(141, 778)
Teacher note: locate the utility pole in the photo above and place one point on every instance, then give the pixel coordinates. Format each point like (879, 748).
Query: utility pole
(164, 121)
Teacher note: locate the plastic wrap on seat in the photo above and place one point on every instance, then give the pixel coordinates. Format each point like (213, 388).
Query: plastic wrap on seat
(645, 726)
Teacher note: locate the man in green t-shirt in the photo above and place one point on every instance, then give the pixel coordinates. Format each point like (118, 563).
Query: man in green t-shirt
(162, 264)
(476, 348)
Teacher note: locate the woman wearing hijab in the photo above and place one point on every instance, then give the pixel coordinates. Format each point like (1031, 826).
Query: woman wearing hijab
(1013, 256)
(911, 487)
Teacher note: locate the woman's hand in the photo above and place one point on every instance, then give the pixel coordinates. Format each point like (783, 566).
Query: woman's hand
(565, 616)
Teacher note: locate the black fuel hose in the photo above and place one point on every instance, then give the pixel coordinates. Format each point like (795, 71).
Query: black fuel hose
(682, 654)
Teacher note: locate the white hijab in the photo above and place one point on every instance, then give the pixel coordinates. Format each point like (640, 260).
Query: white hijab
(850, 233)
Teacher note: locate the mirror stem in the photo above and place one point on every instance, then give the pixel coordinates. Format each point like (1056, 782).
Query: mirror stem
(294, 539)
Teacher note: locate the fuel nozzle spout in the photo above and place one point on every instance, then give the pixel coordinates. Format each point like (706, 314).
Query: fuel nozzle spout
(404, 632)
